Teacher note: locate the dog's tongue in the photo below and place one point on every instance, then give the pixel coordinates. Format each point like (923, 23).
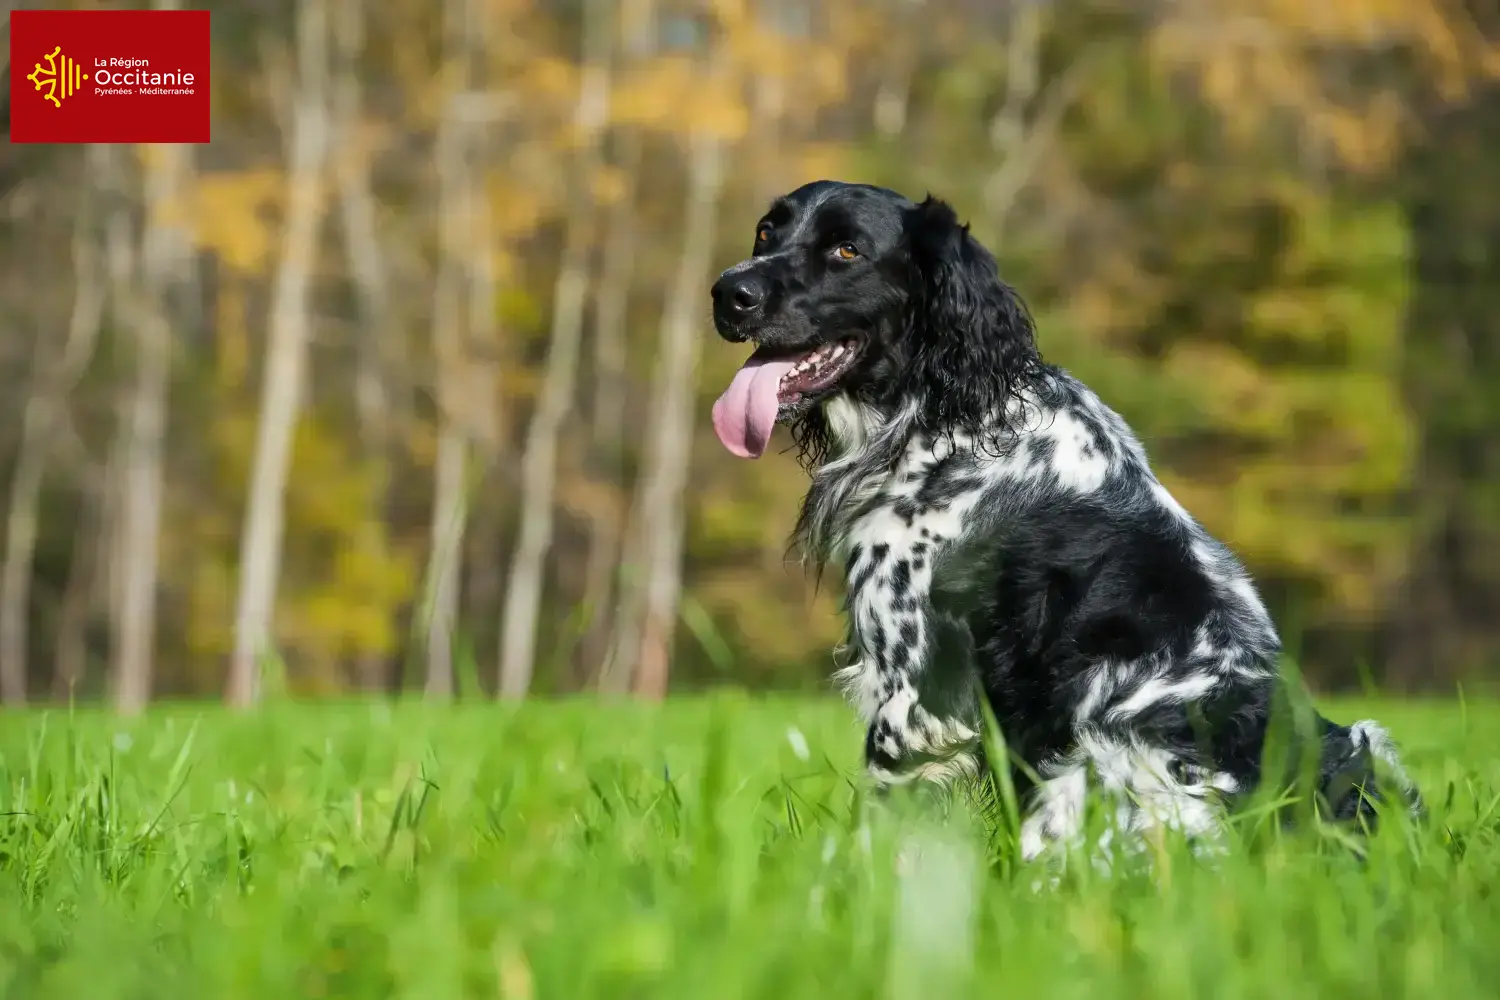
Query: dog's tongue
(745, 415)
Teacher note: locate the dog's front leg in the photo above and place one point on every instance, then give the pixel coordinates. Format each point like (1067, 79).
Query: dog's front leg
(909, 680)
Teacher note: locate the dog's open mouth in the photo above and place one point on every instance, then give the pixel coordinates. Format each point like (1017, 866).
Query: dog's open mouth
(816, 370)
(773, 382)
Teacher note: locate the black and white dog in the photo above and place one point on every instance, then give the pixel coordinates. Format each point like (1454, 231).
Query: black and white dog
(996, 520)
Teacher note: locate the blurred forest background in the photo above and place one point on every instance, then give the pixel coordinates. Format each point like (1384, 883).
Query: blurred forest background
(402, 382)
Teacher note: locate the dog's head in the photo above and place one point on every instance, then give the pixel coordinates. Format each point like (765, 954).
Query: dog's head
(857, 290)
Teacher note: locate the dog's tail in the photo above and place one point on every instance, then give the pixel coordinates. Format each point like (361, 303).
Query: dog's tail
(1358, 764)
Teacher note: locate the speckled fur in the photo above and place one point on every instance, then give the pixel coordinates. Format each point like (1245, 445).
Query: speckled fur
(1003, 536)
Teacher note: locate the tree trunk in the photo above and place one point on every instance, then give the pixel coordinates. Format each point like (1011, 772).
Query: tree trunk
(1026, 125)
(465, 259)
(448, 500)
(892, 104)
(605, 465)
(449, 517)
(377, 334)
(480, 381)
(163, 251)
(641, 657)
(120, 259)
(286, 360)
(78, 601)
(54, 379)
(482, 535)
(523, 595)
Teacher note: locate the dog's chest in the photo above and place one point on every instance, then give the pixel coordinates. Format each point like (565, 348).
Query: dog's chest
(904, 555)
(904, 618)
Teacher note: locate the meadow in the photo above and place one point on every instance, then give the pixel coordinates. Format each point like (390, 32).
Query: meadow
(706, 847)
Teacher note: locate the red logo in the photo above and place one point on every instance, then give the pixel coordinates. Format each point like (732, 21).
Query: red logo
(109, 76)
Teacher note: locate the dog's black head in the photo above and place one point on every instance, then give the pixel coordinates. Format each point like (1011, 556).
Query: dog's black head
(856, 290)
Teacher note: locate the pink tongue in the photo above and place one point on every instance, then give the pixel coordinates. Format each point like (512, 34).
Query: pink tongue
(746, 413)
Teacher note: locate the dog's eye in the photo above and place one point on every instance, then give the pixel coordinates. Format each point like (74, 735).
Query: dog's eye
(762, 234)
(846, 251)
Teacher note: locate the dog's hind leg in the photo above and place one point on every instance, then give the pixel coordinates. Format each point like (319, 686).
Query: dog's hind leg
(1358, 764)
(1142, 787)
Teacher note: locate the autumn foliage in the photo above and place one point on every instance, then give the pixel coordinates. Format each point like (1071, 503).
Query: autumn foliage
(479, 236)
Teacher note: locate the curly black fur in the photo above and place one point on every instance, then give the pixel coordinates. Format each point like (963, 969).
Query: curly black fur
(973, 342)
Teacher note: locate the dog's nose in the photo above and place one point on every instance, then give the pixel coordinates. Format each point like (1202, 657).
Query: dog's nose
(747, 295)
(739, 295)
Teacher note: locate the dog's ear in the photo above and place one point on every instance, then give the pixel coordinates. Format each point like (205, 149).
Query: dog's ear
(971, 337)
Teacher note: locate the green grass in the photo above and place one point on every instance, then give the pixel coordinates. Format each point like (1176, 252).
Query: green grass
(580, 851)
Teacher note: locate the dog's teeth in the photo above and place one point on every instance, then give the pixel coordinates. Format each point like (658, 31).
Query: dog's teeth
(836, 352)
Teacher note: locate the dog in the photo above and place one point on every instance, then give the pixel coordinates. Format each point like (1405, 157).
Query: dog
(1002, 536)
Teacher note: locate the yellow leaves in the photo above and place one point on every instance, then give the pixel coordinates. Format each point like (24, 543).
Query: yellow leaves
(850, 22)
(1239, 392)
(823, 79)
(716, 108)
(513, 206)
(210, 608)
(732, 510)
(234, 213)
(673, 95)
(755, 51)
(609, 185)
(1363, 137)
(1366, 140)
(232, 357)
(519, 310)
(548, 79)
(499, 11)
(649, 94)
(707, 93)
(1361, 314)
(732, 15)
(820, 160)
(1302, 440)
(1298, 312)
(343, 579)
(1256, 59)
(351, 613)
(1275, 411)
(1440, 33)
(349, 579)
